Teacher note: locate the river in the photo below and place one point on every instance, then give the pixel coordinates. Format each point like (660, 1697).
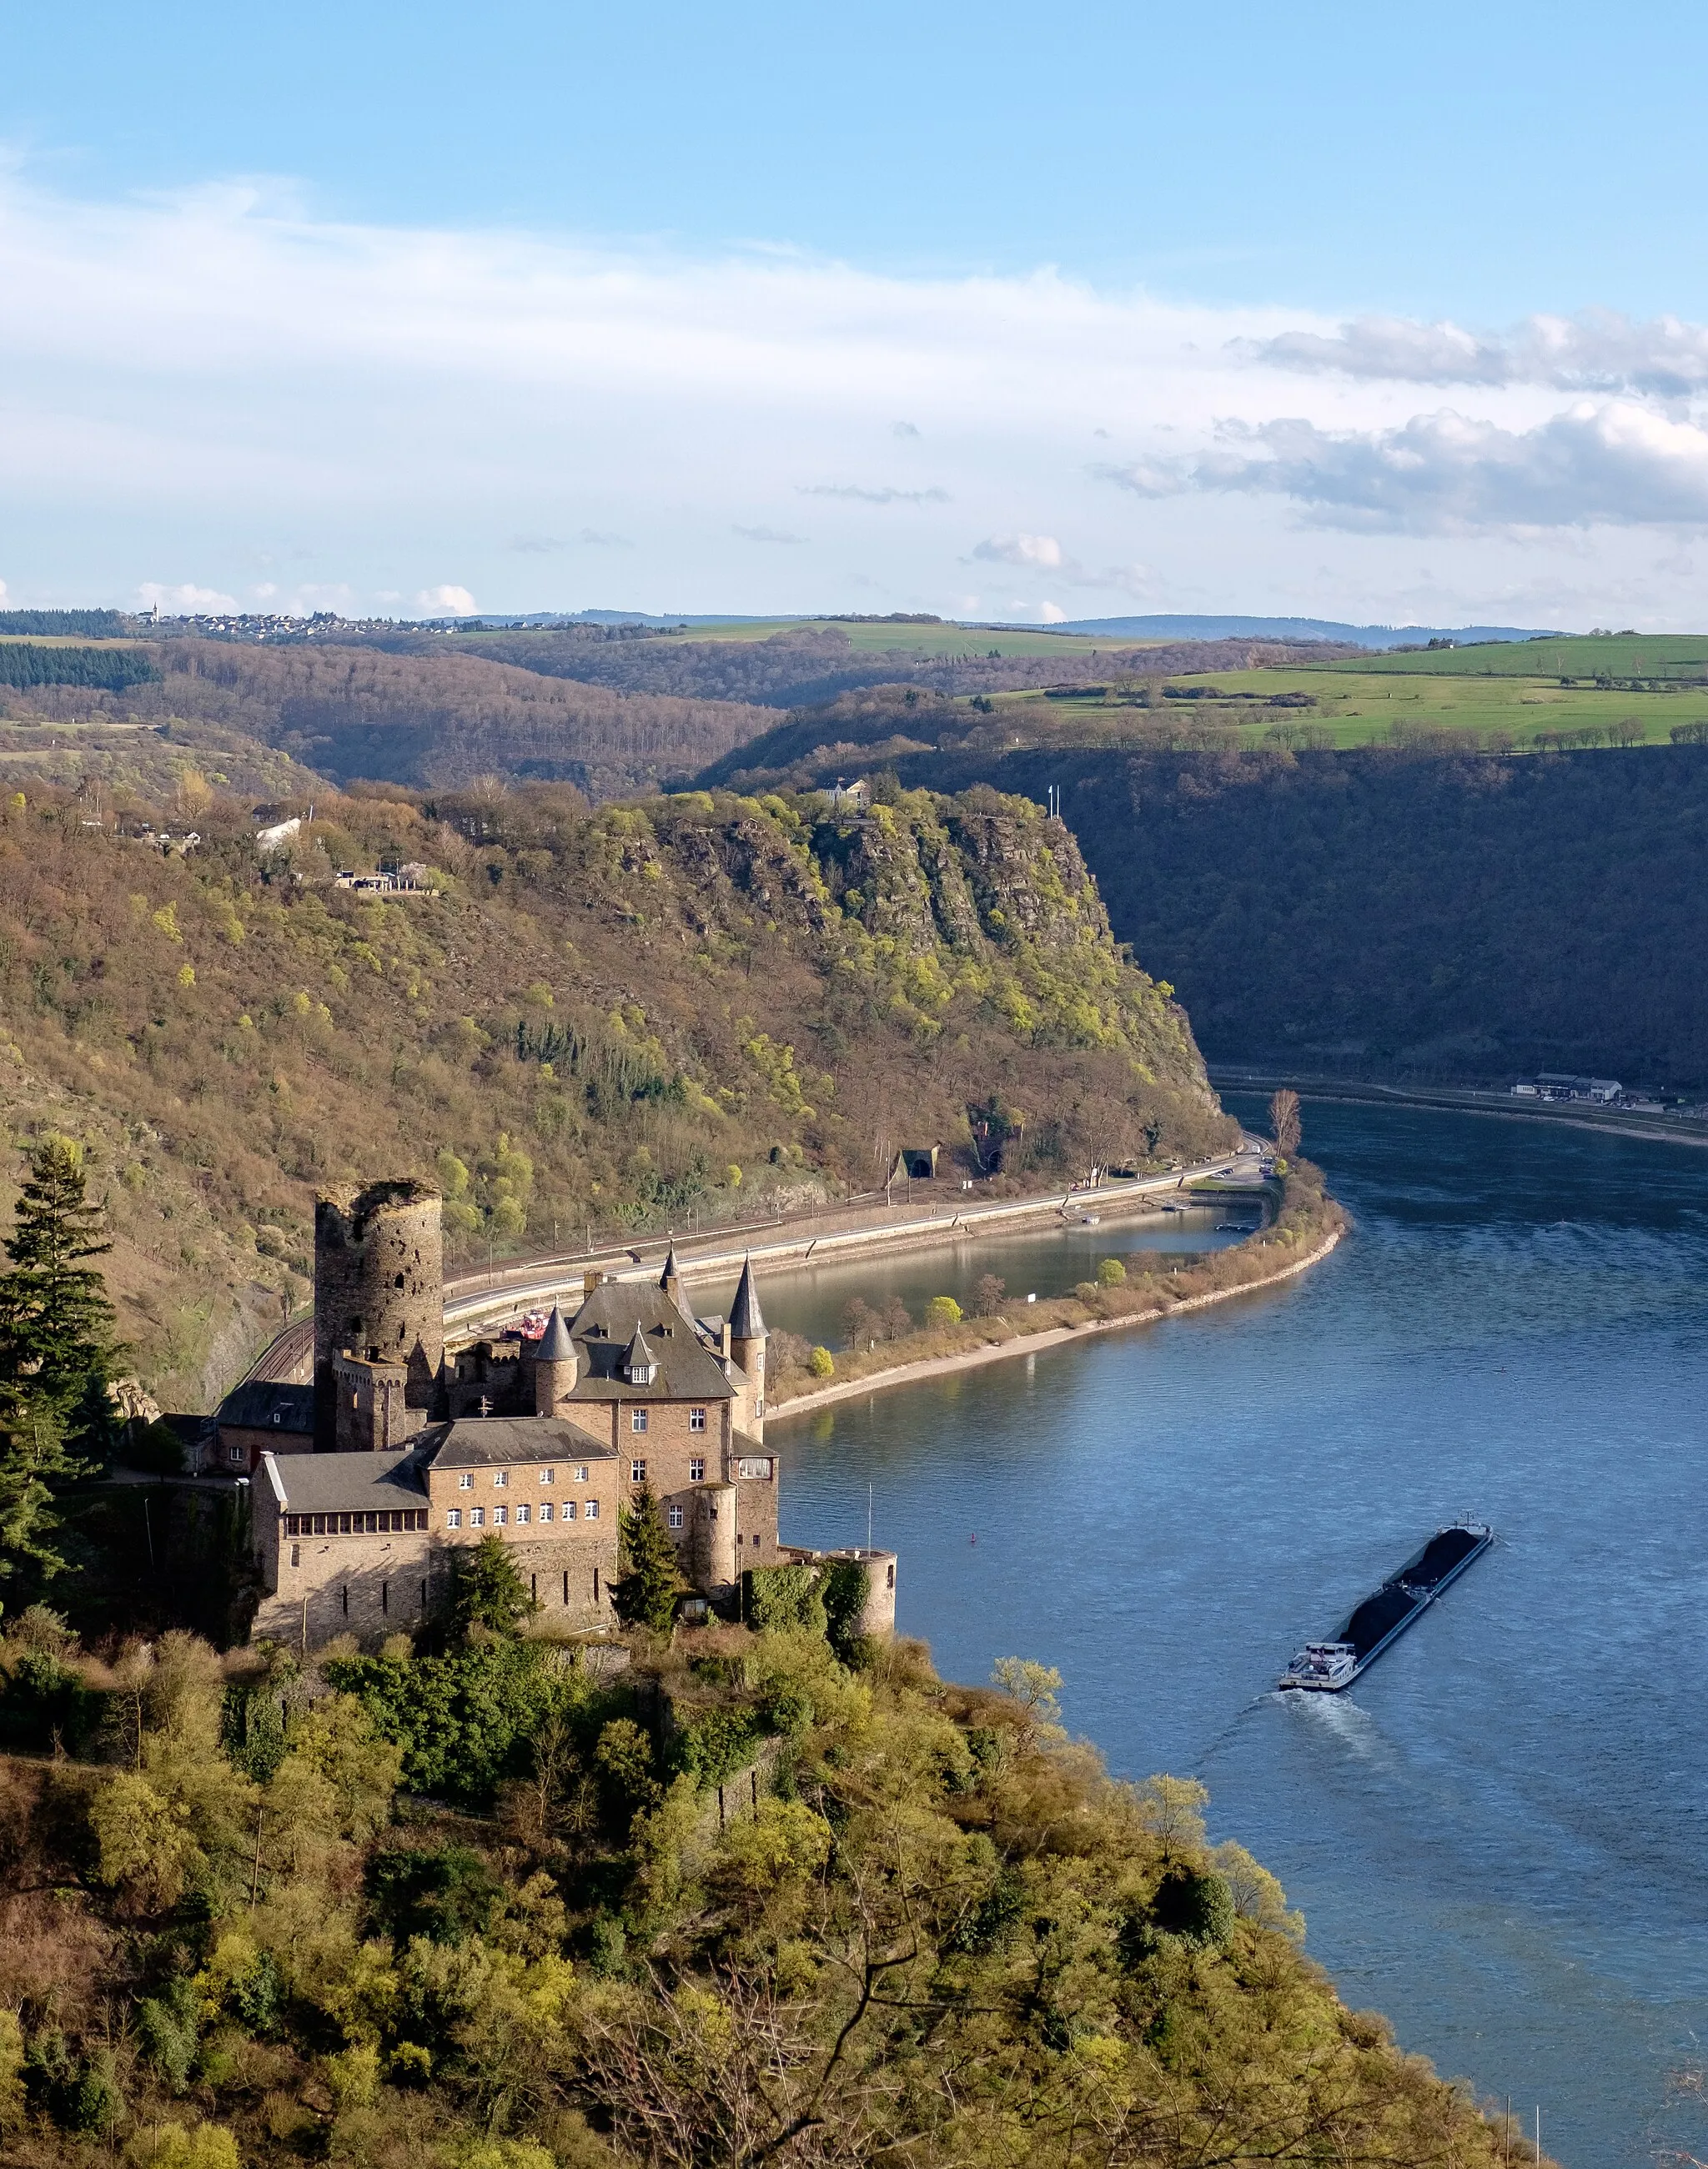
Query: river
(1496, 1837)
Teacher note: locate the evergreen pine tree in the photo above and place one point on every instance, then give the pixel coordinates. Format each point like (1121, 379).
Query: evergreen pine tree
(34, 1464)
(56, 1357)
(490, 1592)
(56, 1322)
(646, 1595)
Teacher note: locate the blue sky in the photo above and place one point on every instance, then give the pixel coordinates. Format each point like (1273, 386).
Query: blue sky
(988, 310)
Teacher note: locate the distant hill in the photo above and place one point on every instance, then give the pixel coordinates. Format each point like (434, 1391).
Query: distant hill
(1291, 628)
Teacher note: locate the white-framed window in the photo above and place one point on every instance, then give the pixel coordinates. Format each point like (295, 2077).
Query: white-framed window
(465, 1482)
(500, 1514)
(637, 1472)
(590, 1512)
(674, 1518)
(752, 1464)
(237, 1453)
(549, 1476)
(581, 1473)
(521, 1513)
(545, 1510)
(697, 1472)
(476, 1518)
(500, 1478)
(637, 1419)
(697, 1419)
(453, 1517)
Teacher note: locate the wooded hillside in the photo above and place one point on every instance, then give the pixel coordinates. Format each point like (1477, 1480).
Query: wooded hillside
(434, 720)
(620, 1017)
(1391, 912)
(463, 1906)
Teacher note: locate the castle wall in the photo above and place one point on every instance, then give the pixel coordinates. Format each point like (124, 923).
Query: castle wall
(375, 1586)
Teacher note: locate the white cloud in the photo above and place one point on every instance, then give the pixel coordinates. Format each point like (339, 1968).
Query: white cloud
(1042, 550)
(1615, 462)
(185, 600)
(1053, 614)
(873, 496)
(1597, 351)
(225, 381)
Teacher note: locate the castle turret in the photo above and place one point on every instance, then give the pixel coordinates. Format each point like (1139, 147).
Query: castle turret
(379, 1290)
(747, 1340)
(555, 1366)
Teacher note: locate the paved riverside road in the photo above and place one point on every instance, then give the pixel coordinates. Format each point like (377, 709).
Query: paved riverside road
(491, 1298)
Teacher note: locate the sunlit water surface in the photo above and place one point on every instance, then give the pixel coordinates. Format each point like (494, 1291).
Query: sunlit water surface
(1498, 1836)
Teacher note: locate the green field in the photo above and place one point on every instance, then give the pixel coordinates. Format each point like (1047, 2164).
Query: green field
(1363, 707)
(1589, 655)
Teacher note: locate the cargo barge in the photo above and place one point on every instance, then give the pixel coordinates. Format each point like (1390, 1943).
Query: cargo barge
(1326, 1667)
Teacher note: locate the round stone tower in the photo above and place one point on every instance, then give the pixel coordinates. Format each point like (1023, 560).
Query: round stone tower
(379, 1289)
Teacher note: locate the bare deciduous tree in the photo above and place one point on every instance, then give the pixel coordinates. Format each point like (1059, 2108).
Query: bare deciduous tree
(1283, 1121)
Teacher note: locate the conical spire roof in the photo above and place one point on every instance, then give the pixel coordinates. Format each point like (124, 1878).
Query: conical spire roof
(555, 1345)
(746, 1319)
(670, 1274)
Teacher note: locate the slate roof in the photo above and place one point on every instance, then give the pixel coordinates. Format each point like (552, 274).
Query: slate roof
(489, 1441)
(345, 1483)
(606, 1325)
(266, 1404)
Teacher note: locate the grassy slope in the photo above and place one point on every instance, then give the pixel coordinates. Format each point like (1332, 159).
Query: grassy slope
(1618, 655)
(719, 1001)
(1357, 705)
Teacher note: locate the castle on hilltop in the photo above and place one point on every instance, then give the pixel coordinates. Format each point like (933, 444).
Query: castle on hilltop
(407, 1450)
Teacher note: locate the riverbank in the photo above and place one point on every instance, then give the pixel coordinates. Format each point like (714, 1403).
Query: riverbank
(1466, 1100)
(1305, 1228)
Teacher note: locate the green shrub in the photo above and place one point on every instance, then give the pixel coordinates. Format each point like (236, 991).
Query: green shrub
(822, 1363)
(1197, 1908)
(1111, 1273)
(464, 1721)
(778, 1597)
(715, 1744)
(942, 1310)
(843, 1590)
(624, 1761)
(43, 1701)
(446, 1892)
(170, 2025)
